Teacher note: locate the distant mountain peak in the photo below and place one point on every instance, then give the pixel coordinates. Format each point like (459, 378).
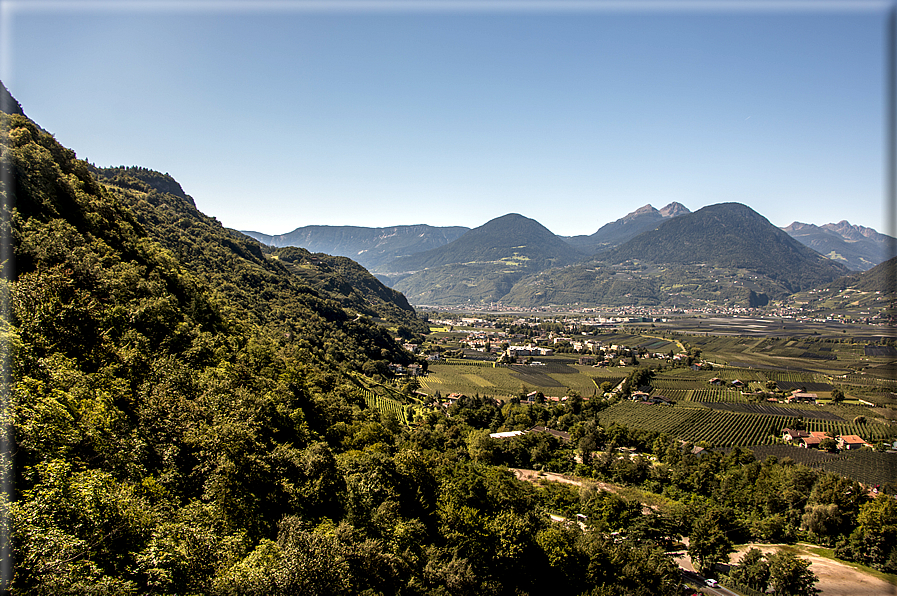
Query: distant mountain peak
(674, 209)
(640, 211)
(858, 247)
(849, 231)
(796, 226)
(499, 238)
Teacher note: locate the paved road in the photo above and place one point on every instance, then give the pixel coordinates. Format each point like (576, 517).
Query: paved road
(697, 579)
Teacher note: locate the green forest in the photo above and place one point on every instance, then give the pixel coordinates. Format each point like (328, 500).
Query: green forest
(184, 415)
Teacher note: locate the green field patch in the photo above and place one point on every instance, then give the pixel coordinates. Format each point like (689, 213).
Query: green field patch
(478, 380)
(534, 377)
(581, 383)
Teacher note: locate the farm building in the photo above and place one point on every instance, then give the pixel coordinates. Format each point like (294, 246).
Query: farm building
(790, 435)
(851, 442)
(800, 396)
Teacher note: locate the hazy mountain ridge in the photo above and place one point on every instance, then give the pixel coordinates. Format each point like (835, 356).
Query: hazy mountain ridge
(371, 247)
(858, 247)
(483, 264)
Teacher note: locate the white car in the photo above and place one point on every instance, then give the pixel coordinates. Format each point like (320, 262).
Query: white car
(712, 583)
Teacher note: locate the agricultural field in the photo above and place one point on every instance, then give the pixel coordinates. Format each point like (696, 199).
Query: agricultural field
(864, 466)
(771, 410)
(729, 427)
(720, 416)
(827, 356)
(553, 378)
(868, 467)
(697, 424)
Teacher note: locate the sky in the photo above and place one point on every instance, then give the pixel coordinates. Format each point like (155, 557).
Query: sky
(280, 114)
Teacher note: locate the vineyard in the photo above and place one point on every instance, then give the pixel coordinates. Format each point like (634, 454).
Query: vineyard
(812, 458)
(717, 395)
(869, 467)
(386, 405)
(769, 410)
(716, 428)
(862, 465)
(723, 428)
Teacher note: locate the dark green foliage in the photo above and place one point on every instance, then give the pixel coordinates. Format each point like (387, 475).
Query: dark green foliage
(752, 571)
(790, 575)
(187, 420)
(709, 541)
(874, 540)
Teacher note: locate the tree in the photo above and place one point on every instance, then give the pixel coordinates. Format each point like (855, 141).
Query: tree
(874, 540)
(752, 570)
(828, 444)
(822, 521)
(790, 575)
(708, 543)
(837, 395)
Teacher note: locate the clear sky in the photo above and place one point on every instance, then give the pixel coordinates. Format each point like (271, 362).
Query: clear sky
(276, 115)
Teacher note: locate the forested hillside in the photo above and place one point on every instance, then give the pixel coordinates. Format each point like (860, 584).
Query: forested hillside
(175, 222)
(186, 422)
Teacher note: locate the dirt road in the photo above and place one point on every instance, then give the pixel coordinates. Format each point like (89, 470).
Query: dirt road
(835, 578)
(535, 476)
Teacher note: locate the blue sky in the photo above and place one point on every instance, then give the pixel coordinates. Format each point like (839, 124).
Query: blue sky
(278, 115)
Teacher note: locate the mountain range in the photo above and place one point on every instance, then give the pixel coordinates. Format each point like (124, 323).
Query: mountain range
(857, 247)
(724, 254)
(386, 250)
(721, 254)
